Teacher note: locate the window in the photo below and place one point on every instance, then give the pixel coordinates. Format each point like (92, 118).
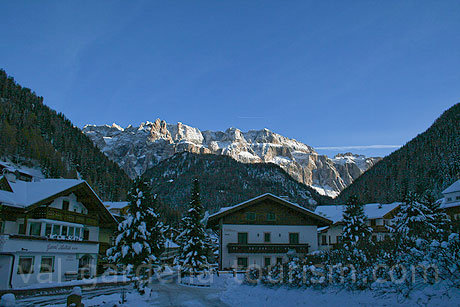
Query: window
(56, 230)
(35, 229)
(242, 238)
(457, 197)
(47, 265)
(242, 262)
(48, 229)
(85, 234)
(294, 238)
(323, 240)
(267, 261)
(449, 198)
(64, 230)
(1, 227)
(78, 232)
(267, 237)
(22, 229)
(65, 205)
(271, 216)
(26, 265)
(279, 260)
(339, 239)
(71, 231)
(373, 222)
(251, 216)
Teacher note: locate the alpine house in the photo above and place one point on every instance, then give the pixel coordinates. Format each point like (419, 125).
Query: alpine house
(51, 230)
(264, 230)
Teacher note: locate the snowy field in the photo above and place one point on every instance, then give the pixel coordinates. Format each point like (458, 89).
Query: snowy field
(228, 291)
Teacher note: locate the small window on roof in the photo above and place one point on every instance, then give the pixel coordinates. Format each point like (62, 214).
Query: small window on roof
(251, 216)
(65, 205)
(271, 216)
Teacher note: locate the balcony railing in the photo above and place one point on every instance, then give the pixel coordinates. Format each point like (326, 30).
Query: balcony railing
(264, 248)
(61, 215)
(380, 228)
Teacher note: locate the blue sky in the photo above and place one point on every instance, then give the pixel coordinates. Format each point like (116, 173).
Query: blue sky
(331, 74)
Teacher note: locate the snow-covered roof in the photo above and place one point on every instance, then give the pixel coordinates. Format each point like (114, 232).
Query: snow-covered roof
(372, 211)
(224, 210)
(116, 204)
(454, 187)
(445, 204)
(27, 171)
(28, 193)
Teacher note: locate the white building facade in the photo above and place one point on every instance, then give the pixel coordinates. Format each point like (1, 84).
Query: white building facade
(49, 231)
(263, 230)
(379, 218)
(451, 202)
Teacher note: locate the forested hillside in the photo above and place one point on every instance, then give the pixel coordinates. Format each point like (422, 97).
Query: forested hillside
(224, 182)
(32, 133)
(430, 161)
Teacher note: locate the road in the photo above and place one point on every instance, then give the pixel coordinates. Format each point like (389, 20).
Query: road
(170, 293)
(165, 292)
(55, 299)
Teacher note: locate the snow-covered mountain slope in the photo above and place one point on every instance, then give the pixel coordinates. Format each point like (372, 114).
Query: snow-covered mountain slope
(137, 149)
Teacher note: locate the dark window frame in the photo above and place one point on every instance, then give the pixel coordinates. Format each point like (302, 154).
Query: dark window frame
(251, 216)
(20, 268)
(242, 237)
(267, 237)
(50, 268)
(294, 238)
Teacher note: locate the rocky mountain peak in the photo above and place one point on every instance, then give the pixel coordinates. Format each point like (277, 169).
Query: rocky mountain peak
(137, 149)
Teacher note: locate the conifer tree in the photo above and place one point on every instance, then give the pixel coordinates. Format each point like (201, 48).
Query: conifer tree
(192, 240)
(413, 222)
(139, 238)
(356, 233)
(440, 219)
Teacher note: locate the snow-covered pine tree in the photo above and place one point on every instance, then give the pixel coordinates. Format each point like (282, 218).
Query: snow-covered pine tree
(139, 237)
(356, 233)
(413, 223)
(440, 219)
(356, 241)
(192, 240)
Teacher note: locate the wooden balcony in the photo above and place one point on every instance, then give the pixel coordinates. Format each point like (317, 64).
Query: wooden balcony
(264, 248)
(380, 228)
(61, 215)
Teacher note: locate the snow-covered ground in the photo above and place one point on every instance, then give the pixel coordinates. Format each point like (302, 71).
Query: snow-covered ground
(228, 291)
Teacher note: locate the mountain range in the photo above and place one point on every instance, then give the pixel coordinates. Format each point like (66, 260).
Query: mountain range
(223, 182)
(137, 149)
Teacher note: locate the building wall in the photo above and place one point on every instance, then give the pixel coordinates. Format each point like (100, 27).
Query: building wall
(279, 234)
(452, 197)
(331, 235)
(66, 256)
(74, 205)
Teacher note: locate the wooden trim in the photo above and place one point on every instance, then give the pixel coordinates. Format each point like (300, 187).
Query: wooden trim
(243, 205)
(266, 248)
(5, 185)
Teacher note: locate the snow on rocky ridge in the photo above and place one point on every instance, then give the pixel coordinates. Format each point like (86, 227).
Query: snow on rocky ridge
(136, 149)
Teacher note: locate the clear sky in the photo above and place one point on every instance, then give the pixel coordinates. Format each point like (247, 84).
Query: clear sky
(327, 73)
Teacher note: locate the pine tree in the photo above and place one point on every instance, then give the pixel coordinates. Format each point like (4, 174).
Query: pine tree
(192, 240)
(440, 219)
(414, 222)
(356, 233)
(139, 238)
